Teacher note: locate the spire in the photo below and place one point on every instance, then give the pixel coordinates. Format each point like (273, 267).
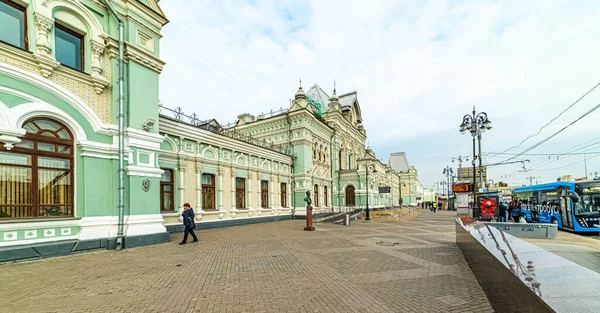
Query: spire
(300, 93)
(334, 96)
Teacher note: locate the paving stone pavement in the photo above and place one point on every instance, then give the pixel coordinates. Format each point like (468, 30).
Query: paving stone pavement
(371, 266)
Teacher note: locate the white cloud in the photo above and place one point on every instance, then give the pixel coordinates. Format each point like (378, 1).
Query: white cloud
(418, 67)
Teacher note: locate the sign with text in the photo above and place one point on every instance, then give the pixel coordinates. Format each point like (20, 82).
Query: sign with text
(462, 200)
(462, 187)
(384, 189)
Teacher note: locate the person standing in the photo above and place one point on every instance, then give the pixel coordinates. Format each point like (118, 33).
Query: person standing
(188, 223)
(434, 206)
(502, 212)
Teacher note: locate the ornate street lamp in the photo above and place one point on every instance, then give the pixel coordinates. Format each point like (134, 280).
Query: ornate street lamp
(475, 124)
(400, 185)
(449, 172)
(368, 168)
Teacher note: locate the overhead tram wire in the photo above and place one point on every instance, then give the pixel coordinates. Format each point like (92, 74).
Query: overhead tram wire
(213, 65)
(549, 161)
(552, 120)
(537, 167)
(578, 162)
(555, 134)
(546, 161)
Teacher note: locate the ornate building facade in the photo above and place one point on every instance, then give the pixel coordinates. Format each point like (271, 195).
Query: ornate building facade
(89, 159)
(62, 98)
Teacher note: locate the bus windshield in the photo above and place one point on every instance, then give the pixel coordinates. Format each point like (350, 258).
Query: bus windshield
(588, 204)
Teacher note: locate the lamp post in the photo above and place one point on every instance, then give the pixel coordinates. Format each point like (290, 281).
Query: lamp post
(449, 172)
(475, 124)
(400, 185)
(368, 168)
(460, 159)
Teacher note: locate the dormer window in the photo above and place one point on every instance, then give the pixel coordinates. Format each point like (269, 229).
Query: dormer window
(69, 47)
(14, 24)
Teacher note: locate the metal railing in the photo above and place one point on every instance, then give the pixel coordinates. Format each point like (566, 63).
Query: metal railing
(229, 131)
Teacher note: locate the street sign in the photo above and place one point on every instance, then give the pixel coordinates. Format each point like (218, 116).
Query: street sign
(465, 187)
(462, 200)
(384, 189)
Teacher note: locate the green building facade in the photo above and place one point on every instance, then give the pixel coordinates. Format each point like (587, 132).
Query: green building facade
(70, 112)
(59, 126)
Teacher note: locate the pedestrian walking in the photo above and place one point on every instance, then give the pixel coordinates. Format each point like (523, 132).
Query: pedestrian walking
(434, 206)
(188, 223)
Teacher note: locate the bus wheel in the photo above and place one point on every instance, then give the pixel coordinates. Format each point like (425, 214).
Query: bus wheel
(554, 221)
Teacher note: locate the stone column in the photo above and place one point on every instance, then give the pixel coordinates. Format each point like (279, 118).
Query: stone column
(271, 191)
(181, 184)
(43, 26)
(288, 188)
(97, 53)
(249, 193)
(258, 191)
(43, 54)
(233, 198)
(199, 187)
(100, 82)
(220, 191)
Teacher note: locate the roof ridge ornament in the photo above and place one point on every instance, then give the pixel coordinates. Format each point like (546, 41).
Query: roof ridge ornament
(334, 96)
(300, 94)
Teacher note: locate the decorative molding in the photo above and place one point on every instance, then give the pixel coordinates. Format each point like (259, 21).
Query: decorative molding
(135, 54)
(133, 170)
(58, 91)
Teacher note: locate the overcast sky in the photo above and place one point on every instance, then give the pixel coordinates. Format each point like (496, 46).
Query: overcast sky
(417, 66)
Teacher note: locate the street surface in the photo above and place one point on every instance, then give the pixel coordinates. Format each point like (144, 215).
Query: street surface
(583, 250)
(377, 266)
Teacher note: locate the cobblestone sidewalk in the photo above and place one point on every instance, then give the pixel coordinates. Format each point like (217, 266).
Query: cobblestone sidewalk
(376, 266)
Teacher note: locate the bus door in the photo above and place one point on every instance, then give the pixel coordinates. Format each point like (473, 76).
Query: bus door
(565, 212)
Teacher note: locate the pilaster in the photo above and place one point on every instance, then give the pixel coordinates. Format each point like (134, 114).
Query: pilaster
(43, 54)
(100, 82)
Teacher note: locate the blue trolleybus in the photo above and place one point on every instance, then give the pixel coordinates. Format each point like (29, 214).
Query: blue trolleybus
(572, 205)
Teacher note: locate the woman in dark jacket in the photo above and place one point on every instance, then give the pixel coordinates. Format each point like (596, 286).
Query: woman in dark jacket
(188, 217)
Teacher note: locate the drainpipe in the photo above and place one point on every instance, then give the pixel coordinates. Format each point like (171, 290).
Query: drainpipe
(121, 126)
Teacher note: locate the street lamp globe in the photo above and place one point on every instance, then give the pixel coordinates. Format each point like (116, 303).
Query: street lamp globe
(463, 128)
(487, 124)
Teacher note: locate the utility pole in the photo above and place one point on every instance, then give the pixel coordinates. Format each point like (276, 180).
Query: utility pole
(531, 178)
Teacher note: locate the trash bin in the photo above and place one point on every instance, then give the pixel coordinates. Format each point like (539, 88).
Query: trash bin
(347, 220)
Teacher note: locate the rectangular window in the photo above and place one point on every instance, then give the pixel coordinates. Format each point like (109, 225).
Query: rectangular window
(240, 193)
(167, 191)
(208, 192)
(283, 195)
(264, 194)
(325, 195)
(14, 24)
(68, 47)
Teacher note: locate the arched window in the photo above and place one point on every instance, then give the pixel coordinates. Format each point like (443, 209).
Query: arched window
(208, 192)
(36, 176)
(350, 201)
(316, 196)
(325, 195)
(167, 190)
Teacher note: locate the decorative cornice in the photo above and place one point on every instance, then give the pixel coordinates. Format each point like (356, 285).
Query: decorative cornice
(133, 170)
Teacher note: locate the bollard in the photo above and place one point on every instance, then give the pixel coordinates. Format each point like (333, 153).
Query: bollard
(347, 220)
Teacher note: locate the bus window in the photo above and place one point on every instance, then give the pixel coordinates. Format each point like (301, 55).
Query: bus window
(588, 204)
